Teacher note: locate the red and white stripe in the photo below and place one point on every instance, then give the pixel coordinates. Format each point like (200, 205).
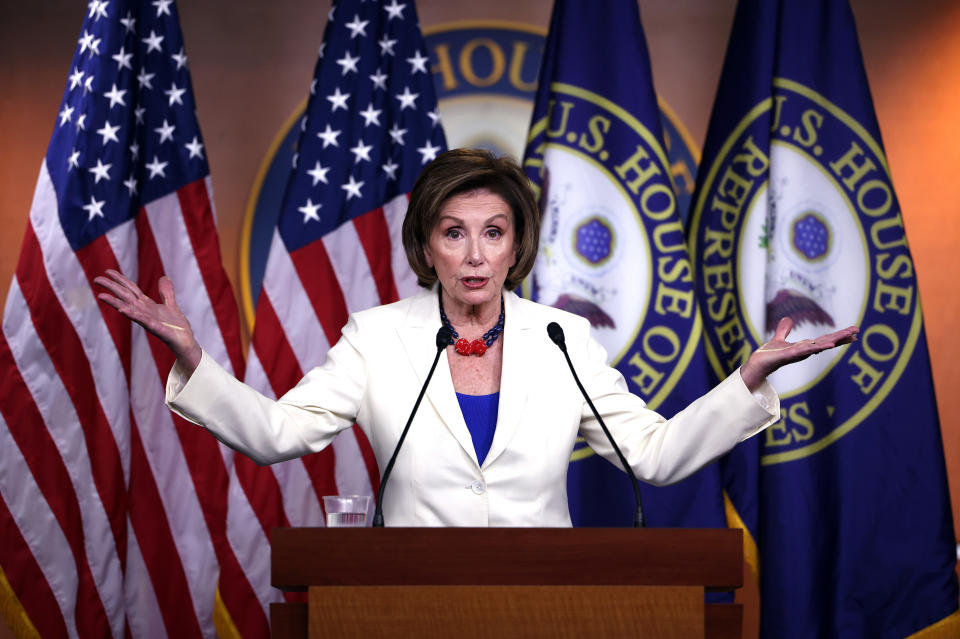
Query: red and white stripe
(304, 302)
(113, 511)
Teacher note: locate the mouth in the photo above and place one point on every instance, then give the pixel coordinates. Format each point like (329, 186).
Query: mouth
(474, 282)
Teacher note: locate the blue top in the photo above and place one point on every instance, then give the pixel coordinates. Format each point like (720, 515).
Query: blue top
(480, 413)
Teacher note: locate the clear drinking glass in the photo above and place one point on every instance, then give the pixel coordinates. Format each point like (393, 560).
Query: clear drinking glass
(346, 511)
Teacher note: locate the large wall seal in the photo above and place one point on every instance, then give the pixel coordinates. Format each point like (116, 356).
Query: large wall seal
(486, 77)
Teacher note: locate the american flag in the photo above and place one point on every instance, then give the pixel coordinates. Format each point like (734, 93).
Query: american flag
(370, 127)
(112, 510)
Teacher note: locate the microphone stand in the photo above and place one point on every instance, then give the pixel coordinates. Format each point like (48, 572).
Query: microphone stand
(443, 340)
(556, 335)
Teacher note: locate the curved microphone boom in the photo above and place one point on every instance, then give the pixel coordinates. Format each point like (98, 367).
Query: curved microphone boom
(444, 336)
(556, 336)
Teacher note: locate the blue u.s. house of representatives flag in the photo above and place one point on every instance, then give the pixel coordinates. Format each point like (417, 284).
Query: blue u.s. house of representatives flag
(795, 215)
(612, 244)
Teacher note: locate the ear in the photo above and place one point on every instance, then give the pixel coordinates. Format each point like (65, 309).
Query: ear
(427, 257)
(513, 259)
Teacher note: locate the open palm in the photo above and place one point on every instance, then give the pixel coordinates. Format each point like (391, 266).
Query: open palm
(779, 352)
(164, 320)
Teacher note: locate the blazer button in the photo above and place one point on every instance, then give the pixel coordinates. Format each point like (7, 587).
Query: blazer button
(478, 487)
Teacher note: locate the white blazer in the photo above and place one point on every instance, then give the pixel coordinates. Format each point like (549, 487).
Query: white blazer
(374, 373)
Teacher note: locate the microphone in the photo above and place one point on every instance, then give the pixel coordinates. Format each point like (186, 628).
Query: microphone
(444, 336)
(556, 336)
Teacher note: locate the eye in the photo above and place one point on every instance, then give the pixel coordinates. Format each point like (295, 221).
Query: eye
(494, 233)
(453, 233)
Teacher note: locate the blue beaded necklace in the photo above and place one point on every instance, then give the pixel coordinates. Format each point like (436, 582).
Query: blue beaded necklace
(478, 346)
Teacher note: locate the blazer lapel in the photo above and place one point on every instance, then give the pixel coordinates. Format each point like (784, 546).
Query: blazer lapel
(418, 336)
(518, 355)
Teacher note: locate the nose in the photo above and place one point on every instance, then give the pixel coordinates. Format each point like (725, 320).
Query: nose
(474, 256)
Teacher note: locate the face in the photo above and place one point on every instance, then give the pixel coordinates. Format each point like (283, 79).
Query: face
(472, 248)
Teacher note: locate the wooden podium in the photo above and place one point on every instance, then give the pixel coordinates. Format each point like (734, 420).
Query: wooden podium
(506, 582)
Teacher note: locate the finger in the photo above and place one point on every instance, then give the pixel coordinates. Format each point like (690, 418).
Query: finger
(125, 308)
(111, 300)
(117, 288)
(167, 294)
(783, 329)
(118, 283)
(838, 338)
(821, 344)
(849, 339)
(846, 336)
(123, 280)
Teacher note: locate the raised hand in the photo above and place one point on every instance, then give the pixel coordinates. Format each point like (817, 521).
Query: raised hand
(779, 352)
(165, 320)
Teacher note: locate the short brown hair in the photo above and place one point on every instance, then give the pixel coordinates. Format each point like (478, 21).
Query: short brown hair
(461, 171)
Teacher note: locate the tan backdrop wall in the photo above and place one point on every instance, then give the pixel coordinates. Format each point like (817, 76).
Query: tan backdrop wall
(252, 62)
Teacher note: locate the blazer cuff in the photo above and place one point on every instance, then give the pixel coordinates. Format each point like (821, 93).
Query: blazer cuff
(765, 397)
(177, 379)
(185, 389)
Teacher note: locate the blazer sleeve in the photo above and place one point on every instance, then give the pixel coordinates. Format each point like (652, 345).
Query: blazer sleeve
(305, 420)
(664, 451)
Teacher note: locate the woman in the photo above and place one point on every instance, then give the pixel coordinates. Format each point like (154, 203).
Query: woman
(491, 445)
